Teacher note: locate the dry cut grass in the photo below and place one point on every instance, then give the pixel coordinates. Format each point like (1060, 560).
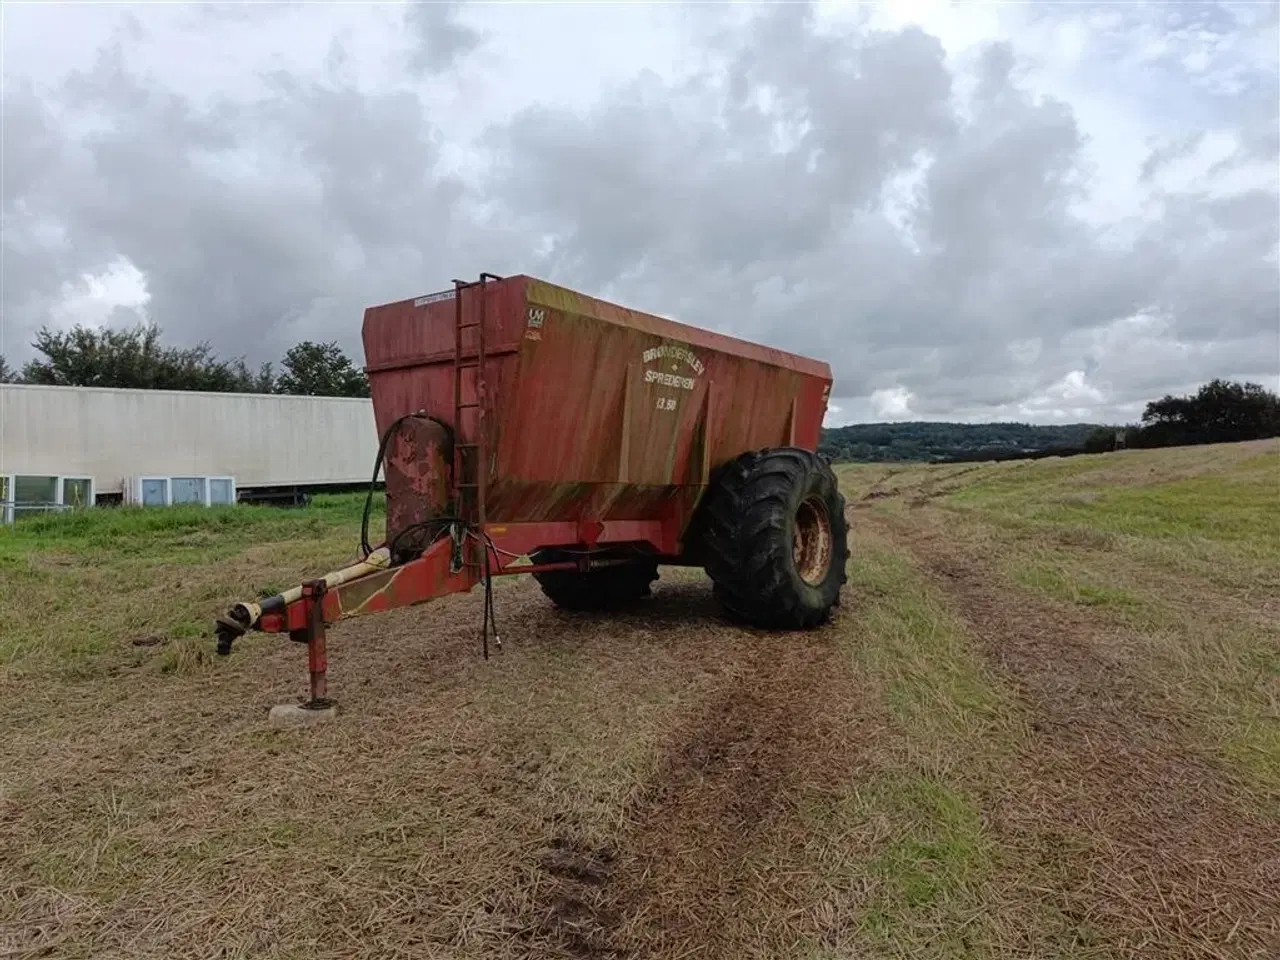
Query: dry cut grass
(1033, 730)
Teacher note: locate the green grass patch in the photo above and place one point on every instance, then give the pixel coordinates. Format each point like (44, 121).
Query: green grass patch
(931, 878)
(930, 875)
(1183, 565)
(1219, 666)
(163, 531)
(77, 585)
(1059, 582)
(1232, 502)
(1220, 524)
(1215, 507)
(937, 686)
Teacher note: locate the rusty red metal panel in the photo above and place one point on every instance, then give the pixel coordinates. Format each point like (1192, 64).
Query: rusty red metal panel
(417, 482)
(597, 411)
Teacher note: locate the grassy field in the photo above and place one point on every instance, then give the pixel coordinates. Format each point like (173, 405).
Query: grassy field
(1045, 723)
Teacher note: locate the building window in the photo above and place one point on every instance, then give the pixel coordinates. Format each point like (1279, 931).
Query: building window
(222, 491)
(24, 494)
(154, 491)
(187, 490)
(77, 492)
(34, 495)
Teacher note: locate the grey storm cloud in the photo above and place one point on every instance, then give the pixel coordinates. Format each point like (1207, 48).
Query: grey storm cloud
(255, 223)
(441, 41)
(684, 192)
(837, 195)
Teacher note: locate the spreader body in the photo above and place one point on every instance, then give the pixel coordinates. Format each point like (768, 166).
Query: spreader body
(591, 412)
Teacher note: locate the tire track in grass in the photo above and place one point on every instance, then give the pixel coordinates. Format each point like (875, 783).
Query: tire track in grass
(711, 862)
(1169, 861)
(822, 802)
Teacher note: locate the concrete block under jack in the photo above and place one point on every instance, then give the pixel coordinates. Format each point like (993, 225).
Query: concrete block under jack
(294, 715)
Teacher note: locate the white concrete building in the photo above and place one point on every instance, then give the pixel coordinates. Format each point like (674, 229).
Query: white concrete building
(76, 445)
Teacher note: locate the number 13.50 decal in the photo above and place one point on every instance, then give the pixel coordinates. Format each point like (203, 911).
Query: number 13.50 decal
(666, 403)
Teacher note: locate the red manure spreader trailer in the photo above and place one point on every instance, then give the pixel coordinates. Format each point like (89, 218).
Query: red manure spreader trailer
(526, 428)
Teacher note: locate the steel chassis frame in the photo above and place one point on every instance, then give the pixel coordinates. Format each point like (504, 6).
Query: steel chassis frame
(437, 573)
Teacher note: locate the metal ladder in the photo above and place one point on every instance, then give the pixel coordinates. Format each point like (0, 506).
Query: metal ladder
(469, 494)
(473, 513)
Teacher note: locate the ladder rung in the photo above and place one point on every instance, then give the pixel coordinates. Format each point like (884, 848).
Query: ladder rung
(464, 364)
(467, 326)
(466, 446)
(467, 406)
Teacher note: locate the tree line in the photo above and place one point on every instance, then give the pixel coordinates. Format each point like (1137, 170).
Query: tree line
(922, 441)
(1221, 411)
(137, 358)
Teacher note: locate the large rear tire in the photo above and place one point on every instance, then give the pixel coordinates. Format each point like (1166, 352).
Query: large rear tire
(775, 539)
(607, 588)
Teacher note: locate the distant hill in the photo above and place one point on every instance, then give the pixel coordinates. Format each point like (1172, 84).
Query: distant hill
(927, 441)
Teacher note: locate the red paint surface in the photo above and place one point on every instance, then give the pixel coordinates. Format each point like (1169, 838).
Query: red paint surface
(575, 431)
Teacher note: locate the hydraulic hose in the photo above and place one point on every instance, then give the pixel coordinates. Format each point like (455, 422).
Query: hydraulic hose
(243, 617)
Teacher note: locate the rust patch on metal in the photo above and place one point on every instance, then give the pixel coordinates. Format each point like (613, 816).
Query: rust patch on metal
(417, 478)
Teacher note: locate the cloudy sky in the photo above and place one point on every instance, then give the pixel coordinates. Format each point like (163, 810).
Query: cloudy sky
(1046, 212)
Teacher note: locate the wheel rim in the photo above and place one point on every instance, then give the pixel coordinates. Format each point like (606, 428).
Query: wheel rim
(811, 541)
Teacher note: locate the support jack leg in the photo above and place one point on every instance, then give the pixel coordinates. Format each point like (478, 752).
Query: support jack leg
(319, 708)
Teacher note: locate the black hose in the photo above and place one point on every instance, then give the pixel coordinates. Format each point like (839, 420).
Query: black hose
(488, 593)
(490, 614)
(415, 527)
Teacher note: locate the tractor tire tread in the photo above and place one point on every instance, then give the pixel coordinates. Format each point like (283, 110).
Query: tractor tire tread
(747, 541)
(607, 588)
